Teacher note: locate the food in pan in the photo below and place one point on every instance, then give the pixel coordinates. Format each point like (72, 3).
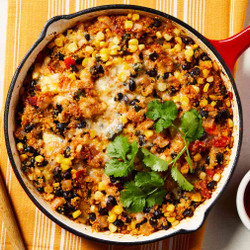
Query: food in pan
(124, 124)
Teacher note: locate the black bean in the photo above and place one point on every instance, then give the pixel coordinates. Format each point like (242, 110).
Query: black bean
(187, 40)
(113, 179)
(204, 57)
(132, 84)
(221, 116)
(204, 136)
(40, 189)
(165, 75)
(186, 66)
(225, 114)
(111, 202)
(118, 97)
(133, 102)
(152, 72)
(211, 185)
(158, 214)
(137, 66)
(79, 60)
(79, 93)
(188, 213)
(67, 195)
(208, 160)
(153, 56)
(67, 175)
(60, 210)
(82, 124)
(28, 128)
(118, 223)
(219, 157)
(92, 217)
(33, 83)
(166, 227)
(197, 104)
(173, 155)
(204, 113)
(125, 99)
(103, 211)
(57, 173)
(87, 37)
(30, 149)
(153, 222)
(157, 23)
(67, 152)
(61, 126)
(173, 90)
(96, 70)
(60, 56)
(141, 223)
(223, 90)
(73, 68)
(160, 150)
(195, 71)
(128, 220)
(141, 56)
(142, 140)
(58, 192)
(137, 108)
(146, 210)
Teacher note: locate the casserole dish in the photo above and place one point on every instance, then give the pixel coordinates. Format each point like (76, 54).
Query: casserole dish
(58, 25)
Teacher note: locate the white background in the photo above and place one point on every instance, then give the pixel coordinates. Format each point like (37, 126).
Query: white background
(224, 229)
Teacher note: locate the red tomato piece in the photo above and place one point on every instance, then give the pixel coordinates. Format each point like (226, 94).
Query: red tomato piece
(197, 146)
(230, 95)
(80, 174)
(212, 129)
(210, 172)
(222, 141)
(32, 101)
(69, 61)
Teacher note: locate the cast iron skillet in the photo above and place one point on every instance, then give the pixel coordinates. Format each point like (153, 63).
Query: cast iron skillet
(228, 49)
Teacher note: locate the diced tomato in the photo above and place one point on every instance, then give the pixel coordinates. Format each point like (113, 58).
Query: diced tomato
(210, 172)
(205, 193)
(211, 129)
(230, 95)
(222, 141)
(69, 61)
(32, 101)
(80, 174)
(197, 146)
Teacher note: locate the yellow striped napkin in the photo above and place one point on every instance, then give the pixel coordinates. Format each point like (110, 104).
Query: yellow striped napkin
(215, 19)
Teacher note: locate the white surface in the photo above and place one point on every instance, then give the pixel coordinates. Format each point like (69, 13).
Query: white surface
(224, 228)
(240, 201)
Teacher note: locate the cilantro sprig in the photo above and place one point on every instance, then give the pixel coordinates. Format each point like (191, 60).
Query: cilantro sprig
(122, 155)
(147, 189)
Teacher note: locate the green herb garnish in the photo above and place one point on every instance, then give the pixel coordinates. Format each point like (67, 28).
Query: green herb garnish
(147, 189)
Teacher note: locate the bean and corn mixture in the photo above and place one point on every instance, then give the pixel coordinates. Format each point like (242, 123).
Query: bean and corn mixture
(124, 124)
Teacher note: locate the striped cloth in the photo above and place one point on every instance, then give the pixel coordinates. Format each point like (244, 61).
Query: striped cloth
(215, 19)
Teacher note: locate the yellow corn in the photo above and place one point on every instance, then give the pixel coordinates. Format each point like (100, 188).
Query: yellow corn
(189, 53)
(184, 101)
(76, 214)
(101, 186)
(205, 72)
(99, 36)
(23, 157)
(56, 184)
(92, 133)
(132, 48)
(73, 172)
(166, 46)
(135, 17)
(133, 224)
(48, 189)
(59, 40)
(72, 47)
(122, 76)
(112, 228)
(197, 157)
(196, 197)
(177, 31)
(148, 133)
(128, 24)
(112, 218)
(85, 62)
(39, 158)
(176, 98)
(171, 219)
(72, 76)
(98, 195)
(116, 40)
(216, 177)
(66, 161)
(210, 79)
(213, 103)
(177, 47)
(65, 167)
(161, 86)
(206, 87)
(196, 88)
(203, 102)
(89, 49)
(117, 209)
(202, 175)
(59, 158)
(19, 146)
(228, 103)
(230, 123)
(177, 74)
(158, 34)
(170, 208)
(200, 80)
(178, 40)
(167, 37)
(104, 53)
(185, 169)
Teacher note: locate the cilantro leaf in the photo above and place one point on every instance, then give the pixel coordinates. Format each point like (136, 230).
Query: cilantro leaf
(118, 168)
(123, 154)
(147, 189)
(133, 198)
(191, 125)
(182, 182)
(164, 113)
(118, 148)
(153, 162)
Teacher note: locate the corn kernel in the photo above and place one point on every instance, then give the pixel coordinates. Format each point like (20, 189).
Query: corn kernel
(170, 208)
(135, 17)
(112, 218)
(205, 72)
(23, 157)
(189, 53)
(177, 47)
(210, 79)
(112, 228)
(200, 80)
(76, 214)
(65, 167)
(132, 48)
(177, 74)
(167, 37)
(206, 87)
(122, 77)
(102, 44)
(176, 98)
(104, 53)
(72, 47)
(228, 103)
(19, 146)
(35, 75)
(73, 172)
(72, 76)
(124, 119)
(171, 219)
(39, 158)
(177, 31)
(203, 102)
(48, 189)
(133, 42)
(216, 66)
(213, 97)
(166, 46)
(129, 15)
(184, 101)
(85, 62)
(175, 223)
(196, 197)
(118, 209)
(161, 86)
(185, 169)
(116, 40)
(59, 158)
(230, 123)
(216, 177)
(56, 184)
(141, 46)
(213, 103)
(167, 214)
(66, 161)
(178, 40)
(148, 133)
(59, 40)
(92, 133)
(128, 24)
(133, 225)
(197, 157)
(98, 195)
(202, 175)
(89, 49)
(101, 186)
(158, 34)
(99, 36)
(196, 88)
